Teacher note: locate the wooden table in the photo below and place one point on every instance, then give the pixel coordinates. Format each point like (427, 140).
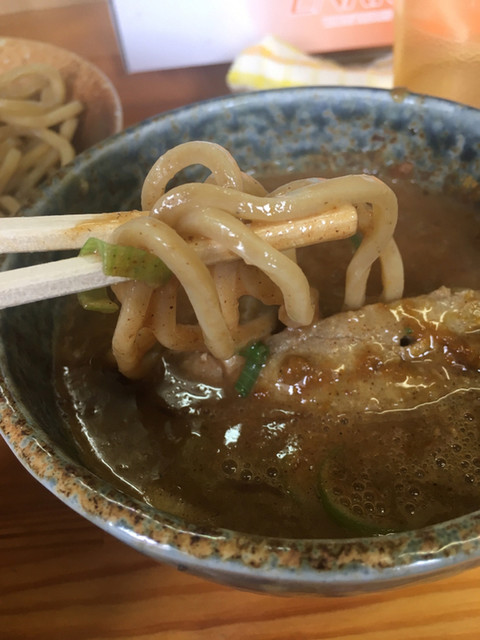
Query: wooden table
(61, 578)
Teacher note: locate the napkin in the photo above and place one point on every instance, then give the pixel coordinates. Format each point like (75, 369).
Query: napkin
(273, 63)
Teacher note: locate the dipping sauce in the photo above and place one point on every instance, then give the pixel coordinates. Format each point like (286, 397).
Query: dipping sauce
(188, 445)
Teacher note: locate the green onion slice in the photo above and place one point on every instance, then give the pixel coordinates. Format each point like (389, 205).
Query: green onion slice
(128, 262)
(335, 488)
(97, 300)
(255, 355)
(122, 261)
(356, 240)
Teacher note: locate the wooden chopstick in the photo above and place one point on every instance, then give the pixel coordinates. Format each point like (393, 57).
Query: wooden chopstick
(58, 232)
(51, 233)
(72, 275)
(52, 279)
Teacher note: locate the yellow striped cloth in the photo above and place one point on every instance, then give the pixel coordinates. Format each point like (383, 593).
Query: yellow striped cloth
(272, 63)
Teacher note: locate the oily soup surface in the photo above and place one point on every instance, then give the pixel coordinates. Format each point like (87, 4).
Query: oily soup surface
(204, 454)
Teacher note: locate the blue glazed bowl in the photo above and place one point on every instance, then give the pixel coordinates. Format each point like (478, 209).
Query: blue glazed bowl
(316, 130)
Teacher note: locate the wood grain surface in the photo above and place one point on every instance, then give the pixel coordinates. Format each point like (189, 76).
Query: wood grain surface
(61, 578)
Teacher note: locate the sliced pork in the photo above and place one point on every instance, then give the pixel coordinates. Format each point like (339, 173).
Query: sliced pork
(381, 357)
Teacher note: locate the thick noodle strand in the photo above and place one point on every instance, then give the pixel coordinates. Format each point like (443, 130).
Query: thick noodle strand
(37, 124)
(225, 209)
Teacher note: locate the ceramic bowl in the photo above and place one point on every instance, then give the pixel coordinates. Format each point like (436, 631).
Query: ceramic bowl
(305, 129)
(103, 115)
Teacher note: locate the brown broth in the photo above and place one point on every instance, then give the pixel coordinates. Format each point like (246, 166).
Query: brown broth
(204, 454)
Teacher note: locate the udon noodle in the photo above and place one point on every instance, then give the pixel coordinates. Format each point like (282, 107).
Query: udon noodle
(37, 124)
(238, 302)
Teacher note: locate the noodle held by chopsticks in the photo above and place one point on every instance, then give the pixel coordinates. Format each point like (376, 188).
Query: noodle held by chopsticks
(225, 208)
(37, 125)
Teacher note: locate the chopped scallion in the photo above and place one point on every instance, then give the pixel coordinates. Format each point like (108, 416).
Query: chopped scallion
(255, 355)
(128, 262)
(97, 300)
(336, 479)
(356, 240)
(124, 261)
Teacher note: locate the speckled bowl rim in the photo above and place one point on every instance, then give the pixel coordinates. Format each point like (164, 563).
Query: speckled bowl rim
(273, 565)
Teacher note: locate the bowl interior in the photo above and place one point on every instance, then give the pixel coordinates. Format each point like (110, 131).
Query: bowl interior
(103, 115)
(321, 130)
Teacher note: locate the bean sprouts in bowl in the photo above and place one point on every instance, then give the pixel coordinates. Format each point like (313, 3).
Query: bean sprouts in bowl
(312, 479)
